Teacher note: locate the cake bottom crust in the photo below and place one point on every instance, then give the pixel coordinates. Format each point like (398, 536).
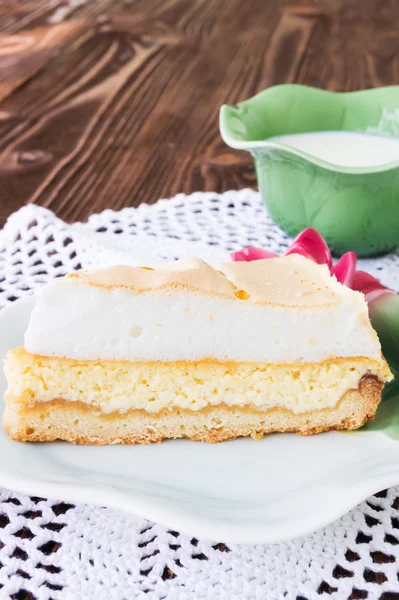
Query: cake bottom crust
(80, 423)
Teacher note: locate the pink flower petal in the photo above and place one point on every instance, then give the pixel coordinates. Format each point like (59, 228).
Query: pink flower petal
(344, 269)
(298, 248)
(249, 254)
(369, 286)
(364, 282)
(311, 244)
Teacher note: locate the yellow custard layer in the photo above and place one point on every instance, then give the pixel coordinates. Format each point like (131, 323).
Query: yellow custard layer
(153, 386)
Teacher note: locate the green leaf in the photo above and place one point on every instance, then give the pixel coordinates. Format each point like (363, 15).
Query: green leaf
(387, 417)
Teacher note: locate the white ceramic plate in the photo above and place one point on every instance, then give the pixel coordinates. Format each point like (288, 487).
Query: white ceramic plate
(241, 491)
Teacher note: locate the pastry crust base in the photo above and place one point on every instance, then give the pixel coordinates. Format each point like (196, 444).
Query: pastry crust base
(81, 423)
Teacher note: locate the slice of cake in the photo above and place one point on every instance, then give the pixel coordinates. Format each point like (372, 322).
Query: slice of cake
(136, 355)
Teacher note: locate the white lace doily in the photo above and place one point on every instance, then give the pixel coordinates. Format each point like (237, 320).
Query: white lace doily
(54, 550)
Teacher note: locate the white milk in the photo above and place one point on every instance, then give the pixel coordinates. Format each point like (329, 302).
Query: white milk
(344, 148)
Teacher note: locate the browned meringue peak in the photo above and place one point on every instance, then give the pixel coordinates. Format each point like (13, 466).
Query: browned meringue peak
(288, 281)
(187, 273)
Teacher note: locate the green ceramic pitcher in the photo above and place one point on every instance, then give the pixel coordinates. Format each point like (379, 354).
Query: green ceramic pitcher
(354, 208)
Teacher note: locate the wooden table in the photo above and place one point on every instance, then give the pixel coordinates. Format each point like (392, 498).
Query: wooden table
(110, 103)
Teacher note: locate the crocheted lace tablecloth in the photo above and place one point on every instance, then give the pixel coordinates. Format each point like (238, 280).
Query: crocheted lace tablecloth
(56, 550)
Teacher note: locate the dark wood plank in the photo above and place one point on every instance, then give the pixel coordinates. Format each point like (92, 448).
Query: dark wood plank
(111, 103)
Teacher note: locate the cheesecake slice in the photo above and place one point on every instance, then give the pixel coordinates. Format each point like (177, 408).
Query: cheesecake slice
(136, 355)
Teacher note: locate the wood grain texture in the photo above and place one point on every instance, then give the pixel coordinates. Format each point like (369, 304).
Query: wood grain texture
(110, 103)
